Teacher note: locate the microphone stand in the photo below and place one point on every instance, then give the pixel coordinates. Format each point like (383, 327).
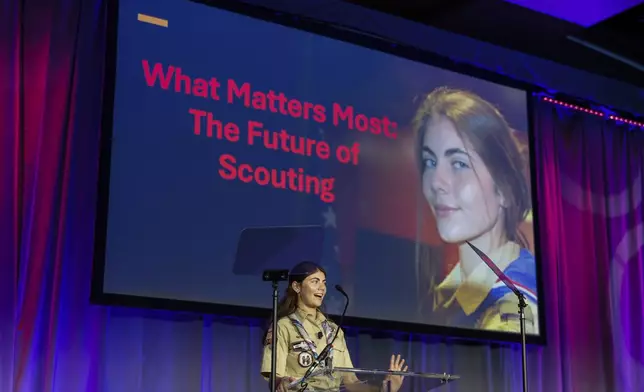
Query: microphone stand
(522, 305)
(274, 276)
(524, 359)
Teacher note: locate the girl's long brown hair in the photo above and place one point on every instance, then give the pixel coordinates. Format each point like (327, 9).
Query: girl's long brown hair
(288, 304)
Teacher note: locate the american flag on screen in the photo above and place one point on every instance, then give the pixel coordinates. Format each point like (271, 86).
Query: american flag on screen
(334, 301)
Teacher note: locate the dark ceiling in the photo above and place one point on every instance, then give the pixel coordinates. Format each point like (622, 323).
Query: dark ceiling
(512, 26)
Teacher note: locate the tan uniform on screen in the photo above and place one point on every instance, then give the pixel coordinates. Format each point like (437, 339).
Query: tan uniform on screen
(467, 293)
(294, 356)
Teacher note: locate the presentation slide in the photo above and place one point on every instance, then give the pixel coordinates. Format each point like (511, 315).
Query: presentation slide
(223, 122)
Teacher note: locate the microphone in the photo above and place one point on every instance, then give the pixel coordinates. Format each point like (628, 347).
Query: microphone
(497, 271)
(327, 349)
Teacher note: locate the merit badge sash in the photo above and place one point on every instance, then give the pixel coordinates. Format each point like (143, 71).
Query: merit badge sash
(326, 327)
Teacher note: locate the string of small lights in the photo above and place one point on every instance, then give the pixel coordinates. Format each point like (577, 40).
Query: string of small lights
(594, 112)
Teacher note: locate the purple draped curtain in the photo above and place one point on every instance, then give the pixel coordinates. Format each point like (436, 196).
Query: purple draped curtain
(592, 236)
(52, 339)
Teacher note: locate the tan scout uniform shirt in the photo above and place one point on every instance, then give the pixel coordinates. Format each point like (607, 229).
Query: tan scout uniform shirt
(294, 356)
(470, 292)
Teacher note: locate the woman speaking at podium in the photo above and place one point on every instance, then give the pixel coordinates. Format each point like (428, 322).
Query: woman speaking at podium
(302, 333)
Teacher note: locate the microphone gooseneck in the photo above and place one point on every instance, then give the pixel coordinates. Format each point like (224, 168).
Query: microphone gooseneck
(327, 349)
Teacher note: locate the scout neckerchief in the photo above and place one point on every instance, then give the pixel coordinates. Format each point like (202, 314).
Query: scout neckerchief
(326, 327)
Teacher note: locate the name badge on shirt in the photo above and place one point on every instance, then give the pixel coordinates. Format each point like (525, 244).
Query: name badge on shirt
(299, 346)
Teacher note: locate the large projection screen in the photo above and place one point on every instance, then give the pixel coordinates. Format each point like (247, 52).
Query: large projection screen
(219, 120)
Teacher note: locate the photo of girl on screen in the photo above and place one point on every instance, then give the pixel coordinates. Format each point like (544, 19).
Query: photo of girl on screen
(474, 181)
